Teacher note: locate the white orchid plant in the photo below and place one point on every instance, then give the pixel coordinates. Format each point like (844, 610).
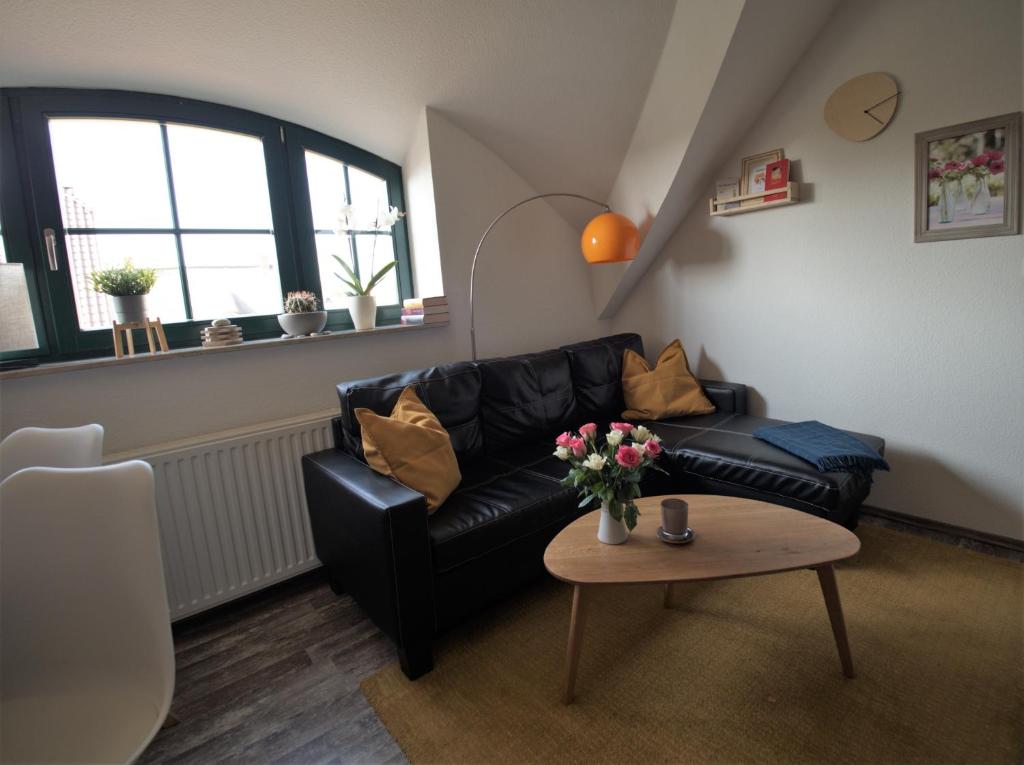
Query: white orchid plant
(347, 223)
(610, 472)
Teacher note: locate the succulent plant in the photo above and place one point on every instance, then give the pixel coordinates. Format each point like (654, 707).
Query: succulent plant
(300, 302)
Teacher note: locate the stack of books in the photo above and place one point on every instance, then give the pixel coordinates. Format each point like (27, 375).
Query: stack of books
(431, 310)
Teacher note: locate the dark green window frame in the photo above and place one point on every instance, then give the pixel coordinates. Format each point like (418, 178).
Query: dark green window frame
(29, 203)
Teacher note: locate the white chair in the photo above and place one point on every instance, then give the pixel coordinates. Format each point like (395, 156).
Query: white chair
(51, 447)
(86, 656)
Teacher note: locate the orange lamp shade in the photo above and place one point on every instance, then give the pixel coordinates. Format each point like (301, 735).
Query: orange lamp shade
(610, 238)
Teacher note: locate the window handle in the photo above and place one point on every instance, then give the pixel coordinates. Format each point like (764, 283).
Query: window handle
(50, 236)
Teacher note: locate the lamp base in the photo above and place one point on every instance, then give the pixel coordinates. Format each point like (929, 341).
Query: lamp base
(7, 366)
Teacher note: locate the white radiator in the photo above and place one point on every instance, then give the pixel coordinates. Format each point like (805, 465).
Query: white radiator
(232, 510)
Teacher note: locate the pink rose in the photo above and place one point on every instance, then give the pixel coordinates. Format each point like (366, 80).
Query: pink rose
(934, 173)
(578, 446)
(951, 165)
(653, 448)
(624, 427)
(628, 456)
(563, 440)
(994, 155)
(997, 166)
(981, 159)
(588, 431)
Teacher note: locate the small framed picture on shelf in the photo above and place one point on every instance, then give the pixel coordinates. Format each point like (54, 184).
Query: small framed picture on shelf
(776, 177)
(727, 188)
(753, 173)
(966, 180)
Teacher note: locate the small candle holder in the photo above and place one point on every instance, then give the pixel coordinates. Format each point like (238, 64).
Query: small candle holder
(675, 515)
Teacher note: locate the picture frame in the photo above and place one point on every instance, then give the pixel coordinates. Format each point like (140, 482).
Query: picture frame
(967, 180)
(752, 173)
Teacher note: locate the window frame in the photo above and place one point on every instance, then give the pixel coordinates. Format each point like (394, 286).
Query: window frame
(34, 189)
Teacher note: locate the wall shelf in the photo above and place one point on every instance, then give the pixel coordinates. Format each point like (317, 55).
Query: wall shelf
(716, 207)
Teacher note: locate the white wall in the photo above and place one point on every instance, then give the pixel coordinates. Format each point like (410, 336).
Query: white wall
(697, 41)
(148, 404)
(830, 311)
(418, 176)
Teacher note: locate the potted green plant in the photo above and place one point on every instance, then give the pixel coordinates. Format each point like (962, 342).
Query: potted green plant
(362, 305)
(127, 287)
(301, 316)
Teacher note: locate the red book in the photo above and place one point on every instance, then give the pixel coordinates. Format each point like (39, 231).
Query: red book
(776, 176)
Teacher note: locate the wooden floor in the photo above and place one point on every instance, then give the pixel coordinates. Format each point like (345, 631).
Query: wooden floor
(276, 680)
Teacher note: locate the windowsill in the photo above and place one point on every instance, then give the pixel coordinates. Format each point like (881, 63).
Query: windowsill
(142, 358)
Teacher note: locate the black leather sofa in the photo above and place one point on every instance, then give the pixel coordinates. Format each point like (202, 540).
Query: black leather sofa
(417, 575)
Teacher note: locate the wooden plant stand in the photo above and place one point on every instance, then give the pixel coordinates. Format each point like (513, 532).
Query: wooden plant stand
(152, 327)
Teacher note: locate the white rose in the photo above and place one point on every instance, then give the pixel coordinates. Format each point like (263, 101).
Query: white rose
(614, 438)
(641, 434)
(594, 462)
(562, 452)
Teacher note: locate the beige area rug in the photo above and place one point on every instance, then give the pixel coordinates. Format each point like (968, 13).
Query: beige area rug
(743, 670)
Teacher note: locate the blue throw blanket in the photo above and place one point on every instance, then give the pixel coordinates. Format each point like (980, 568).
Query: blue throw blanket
(824, 447)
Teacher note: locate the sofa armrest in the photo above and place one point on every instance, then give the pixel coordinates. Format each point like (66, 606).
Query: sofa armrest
(371, 533)
(726, 396)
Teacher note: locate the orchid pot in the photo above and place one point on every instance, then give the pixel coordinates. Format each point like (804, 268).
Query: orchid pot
(363, 310)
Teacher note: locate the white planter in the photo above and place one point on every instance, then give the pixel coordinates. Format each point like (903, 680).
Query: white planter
(363, 309)
(129, 308)
(298, 324)
(609, 530)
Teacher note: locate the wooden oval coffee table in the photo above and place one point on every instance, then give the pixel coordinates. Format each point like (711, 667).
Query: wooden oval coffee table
(734, 537)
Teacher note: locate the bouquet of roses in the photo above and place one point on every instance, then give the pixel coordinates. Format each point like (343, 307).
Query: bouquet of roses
(610, 471)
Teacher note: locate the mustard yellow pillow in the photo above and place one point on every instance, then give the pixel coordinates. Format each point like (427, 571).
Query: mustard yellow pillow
(413, 447)
(668, 390)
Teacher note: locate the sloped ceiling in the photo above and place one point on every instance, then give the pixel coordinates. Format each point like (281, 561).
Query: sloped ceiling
(552, 86)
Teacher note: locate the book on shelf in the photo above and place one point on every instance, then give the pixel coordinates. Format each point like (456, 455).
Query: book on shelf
(727, 188)
(426, 302)
(427, 311)
(432, 318)
(776, 176)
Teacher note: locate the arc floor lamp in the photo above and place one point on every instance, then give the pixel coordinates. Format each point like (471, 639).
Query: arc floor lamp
(608, 238)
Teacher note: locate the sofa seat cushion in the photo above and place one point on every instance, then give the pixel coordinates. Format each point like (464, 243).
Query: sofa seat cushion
(496, 504)
(718, 454)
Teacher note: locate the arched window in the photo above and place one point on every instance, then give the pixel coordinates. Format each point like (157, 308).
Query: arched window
(231, 208)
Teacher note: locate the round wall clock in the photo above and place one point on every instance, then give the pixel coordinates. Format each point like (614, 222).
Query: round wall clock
(861, 108)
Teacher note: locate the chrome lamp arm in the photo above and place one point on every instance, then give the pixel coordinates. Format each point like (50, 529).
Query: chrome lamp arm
(476, 255)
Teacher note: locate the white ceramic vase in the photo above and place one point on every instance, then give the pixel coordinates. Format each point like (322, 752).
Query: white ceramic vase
(363, 310)
(609, 530)
(129, 308)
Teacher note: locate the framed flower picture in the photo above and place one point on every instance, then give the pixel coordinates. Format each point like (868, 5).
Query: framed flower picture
(753, 171)
(967, 180)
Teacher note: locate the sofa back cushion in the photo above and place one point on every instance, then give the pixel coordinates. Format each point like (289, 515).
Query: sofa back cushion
(450, 391)
(524, 398)
(596, 367)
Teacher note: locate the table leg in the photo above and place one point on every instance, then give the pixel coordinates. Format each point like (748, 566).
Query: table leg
(827, 580)
(668, 595)
(572, 657)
